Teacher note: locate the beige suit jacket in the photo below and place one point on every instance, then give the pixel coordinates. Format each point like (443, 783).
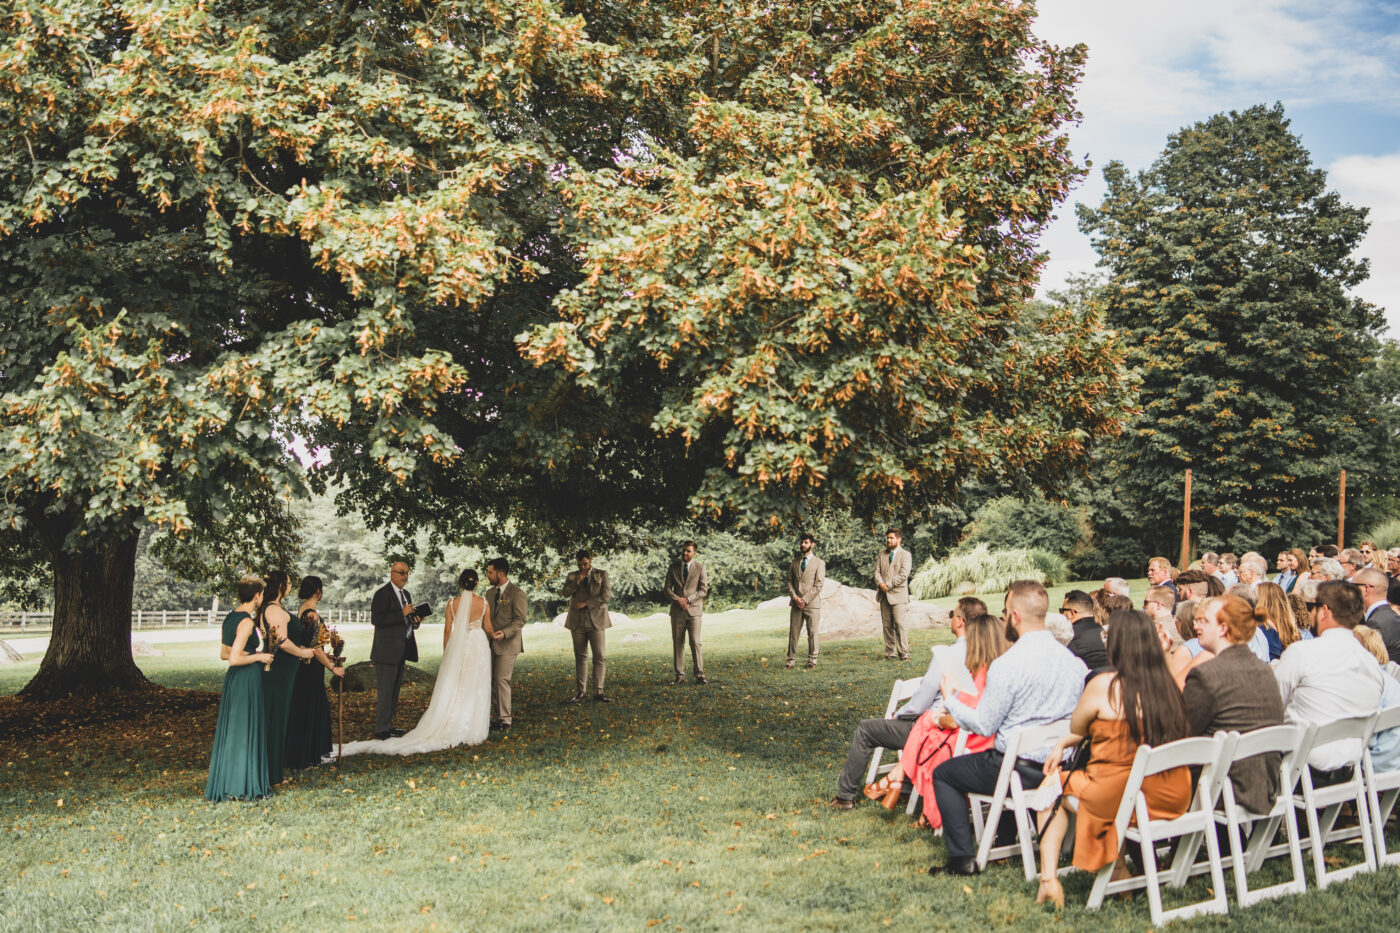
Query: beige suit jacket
(508, 615)
(694, 586)
(593, 590)
(806, 583)
(895, 577)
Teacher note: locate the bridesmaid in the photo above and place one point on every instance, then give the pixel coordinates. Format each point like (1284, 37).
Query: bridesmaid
(309, 723)
(238, 762)
(277, 681)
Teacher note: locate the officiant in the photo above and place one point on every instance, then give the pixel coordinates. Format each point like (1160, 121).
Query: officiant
(394, 620)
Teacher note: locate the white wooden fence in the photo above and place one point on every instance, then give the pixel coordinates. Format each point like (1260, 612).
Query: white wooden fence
(14, 622)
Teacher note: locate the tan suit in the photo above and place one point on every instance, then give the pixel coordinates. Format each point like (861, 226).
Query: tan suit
(692, 585)
(588, 625)
(509, 610)
(805, 584)
(894, 599)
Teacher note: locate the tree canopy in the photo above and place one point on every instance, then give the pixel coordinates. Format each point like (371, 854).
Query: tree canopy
(519, 268)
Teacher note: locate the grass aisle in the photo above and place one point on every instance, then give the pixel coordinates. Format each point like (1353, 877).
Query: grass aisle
(690, 808)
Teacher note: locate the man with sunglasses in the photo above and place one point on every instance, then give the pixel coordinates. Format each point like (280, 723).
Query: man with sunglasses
(1370, 557)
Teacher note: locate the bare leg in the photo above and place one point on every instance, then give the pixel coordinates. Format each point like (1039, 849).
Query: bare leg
(1052, 839)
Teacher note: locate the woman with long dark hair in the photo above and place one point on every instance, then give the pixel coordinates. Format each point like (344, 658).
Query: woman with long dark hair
(238, 761)
(309, 717)
(1136, 703)
(281, 631)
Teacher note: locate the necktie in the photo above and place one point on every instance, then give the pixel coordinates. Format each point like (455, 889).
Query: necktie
(404, 601)
(804, 564)
(685, 571)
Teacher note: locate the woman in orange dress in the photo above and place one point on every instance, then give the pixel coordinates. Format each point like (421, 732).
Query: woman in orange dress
(1140, 681)
(935, 734)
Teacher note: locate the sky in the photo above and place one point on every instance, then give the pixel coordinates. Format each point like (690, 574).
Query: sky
(1155, 68)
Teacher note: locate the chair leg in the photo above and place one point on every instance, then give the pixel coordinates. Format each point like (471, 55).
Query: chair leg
(913, 800)
(1149, 867)
(1025, 835)
(1381, 808)
(989, 829)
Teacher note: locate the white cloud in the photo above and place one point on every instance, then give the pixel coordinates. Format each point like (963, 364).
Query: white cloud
(1374, 181)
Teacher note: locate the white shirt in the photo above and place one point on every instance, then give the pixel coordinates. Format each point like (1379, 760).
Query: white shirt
(1327, 678)
(1259, 644)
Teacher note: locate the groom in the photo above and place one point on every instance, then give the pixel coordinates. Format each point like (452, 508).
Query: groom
(391, 613)
(508, 613)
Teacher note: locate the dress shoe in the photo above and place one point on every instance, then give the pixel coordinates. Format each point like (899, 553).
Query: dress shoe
(840, 803)
(811, 664)
(701, 679)
(962, 865)
(601, 698)
(680, 679)
(503, 728)
(576, 698)
(383, 735)
(789, 665)
(495, 724)
(904, 657)
(396, 732)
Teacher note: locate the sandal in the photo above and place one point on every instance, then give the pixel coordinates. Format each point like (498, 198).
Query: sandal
(881, 788)
(922, 822)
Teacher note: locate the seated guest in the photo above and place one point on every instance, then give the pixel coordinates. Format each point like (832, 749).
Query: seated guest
(1275, 618)
(1253, 569)
(1375, 587)
(1369, 555)
(893, 733)
(1392, 563)
(1157, 605)
(1298, 602)
(1161, 573)
(1285, 576)
(1229, 564)
(1192, 584)
(935, 734)
(1141, 683)
(1385, 746)
(1108, 606)
(1327, 568)
(1038, 681)
(1350, 560)
(1087, 643)
(1300, 565)
(1330, 677)
(1236, 691)
(1117, 586)
(1186, 627)
(1210, 563)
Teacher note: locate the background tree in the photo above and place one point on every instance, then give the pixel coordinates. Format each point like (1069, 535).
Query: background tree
(1230, 267)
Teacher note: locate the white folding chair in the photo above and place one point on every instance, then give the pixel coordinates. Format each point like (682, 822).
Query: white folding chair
(1291, 741)
(901, 691)
(1133, 823)
(1321, 805)
(1010, 794)
(1382, 788)
(959, 748)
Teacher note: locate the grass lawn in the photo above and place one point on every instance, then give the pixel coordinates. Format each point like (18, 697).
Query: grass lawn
(674, 808)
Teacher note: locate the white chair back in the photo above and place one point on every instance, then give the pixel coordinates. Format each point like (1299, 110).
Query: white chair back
(1322, 805)
(899, 693)
(1009, 794)
(1382, 788)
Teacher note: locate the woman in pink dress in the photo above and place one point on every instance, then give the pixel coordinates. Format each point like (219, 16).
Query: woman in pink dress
(935, 734)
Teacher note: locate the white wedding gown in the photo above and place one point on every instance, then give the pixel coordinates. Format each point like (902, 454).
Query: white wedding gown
(459, 712)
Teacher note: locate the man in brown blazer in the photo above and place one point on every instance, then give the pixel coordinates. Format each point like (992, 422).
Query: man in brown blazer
(686, 588)
(509, 610)
(588, 621)
(1235, 691)
(806, 577)
(892, 569)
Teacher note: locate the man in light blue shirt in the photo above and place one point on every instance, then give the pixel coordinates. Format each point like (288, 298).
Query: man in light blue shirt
(894, 732)
(1037, 682)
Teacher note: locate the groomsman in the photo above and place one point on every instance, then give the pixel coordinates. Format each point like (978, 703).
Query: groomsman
(686, 588)
(806, 577)
(391, 613)
(509, 610)
(588, 593)
(892, 568)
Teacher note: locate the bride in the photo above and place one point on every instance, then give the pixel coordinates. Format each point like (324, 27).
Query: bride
(460, 709)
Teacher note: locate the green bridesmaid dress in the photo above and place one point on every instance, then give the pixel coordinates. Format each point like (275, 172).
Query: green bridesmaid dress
(309, 725)
(238, 763)
(277, 700)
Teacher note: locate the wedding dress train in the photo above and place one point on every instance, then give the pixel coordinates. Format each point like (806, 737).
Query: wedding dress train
(459, 712)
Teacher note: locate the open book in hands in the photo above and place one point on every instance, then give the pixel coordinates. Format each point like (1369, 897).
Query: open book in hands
(952, 666)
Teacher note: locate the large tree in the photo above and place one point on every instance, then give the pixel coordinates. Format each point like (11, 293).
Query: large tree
(1231, 267)
(520, 269)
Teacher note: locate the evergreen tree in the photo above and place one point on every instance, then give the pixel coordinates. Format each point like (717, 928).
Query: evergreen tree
(1231, 265)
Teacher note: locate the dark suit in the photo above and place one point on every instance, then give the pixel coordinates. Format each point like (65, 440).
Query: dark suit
(1235, 691)
(394, 643)
(509, 610)
(1387, 623)
(1087, 645)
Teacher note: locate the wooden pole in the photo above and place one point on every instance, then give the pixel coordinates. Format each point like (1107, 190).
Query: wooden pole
(1342, 511)
(340, 719)
(1186, 527)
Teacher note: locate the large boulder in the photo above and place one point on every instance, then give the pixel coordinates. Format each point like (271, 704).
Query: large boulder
(140, 648)
(849, 612)
(360, 677)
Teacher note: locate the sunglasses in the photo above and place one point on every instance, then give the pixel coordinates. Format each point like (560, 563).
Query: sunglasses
(1312, 606)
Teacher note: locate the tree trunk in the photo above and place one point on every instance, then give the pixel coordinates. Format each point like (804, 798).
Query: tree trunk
(90, 649)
